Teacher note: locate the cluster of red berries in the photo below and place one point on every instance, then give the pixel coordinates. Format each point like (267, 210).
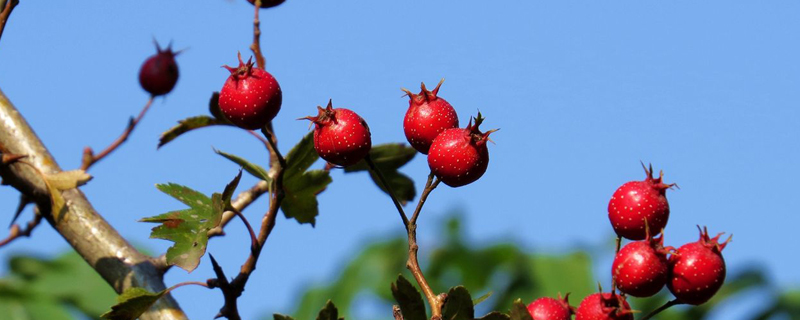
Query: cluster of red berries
(693, 273)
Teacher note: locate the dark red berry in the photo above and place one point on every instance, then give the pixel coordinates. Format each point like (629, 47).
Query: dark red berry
(267, 3)
(604, 306)
(547, 308)
(697, 269)
(251, 97)
(159, 73)
(427, 116)
(341, 137)
(636, 202)
(640, 268)
(458, 156)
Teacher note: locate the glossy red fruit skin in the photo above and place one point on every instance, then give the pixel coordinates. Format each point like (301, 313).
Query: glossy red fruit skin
(604, 306)
(427, 116)
(547, 308)
(697, 270)
(159, 73)
(640, 268)
(250, 97)
(458, 156)
(267, 3)
(341, 136)
(637, 201)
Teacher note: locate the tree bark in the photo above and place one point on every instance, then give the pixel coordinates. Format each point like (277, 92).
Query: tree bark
(119, 263)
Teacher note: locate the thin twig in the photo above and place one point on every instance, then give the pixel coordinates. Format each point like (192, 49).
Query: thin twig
(187, 283)
(398, 315)
(388, 188)
(89, 158)
(8, 7)
(17, 232)
(242, 201)
(412, 263)
(666, 306)
(256, 46)
(614, 273)
(253, 239)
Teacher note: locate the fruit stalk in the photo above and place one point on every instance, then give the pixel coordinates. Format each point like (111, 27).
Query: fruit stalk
(413, 263)
(256, 46)
(89, 158)
(8, 7)
(388, 188)
(666, 306)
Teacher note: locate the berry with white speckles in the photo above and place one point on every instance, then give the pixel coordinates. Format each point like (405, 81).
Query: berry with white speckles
(427, 116)
(251, 97)
(547, 308)
(267, 3)
(159, 72)
(604, 306)
(640, 268)
(637, 202)
(697, 269)
(341, 136)
(458, 156)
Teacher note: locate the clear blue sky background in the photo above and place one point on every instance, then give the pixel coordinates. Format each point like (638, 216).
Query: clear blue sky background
(707, 91)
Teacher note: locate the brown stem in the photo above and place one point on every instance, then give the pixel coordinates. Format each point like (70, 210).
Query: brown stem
(413, 263)
(7, 8)
(666, 306)
(100, 245)
(256, 46)
(187, 283)
(242, 201)
(233, 289)
(253, 239)
(388, 188)
(17, 232)
(89, 158)
(398, 315)
(614, 273)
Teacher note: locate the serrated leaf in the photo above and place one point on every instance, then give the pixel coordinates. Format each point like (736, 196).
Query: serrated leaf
(494, 315)
(481, 298)
(388, 158)
(187, 125)
(458, 305)
(519, 311)
(301, 187)
(188, 228)
(132, 303)
(230, 188)
(328, 312)
(251, 168)
(66, 180)
(281, 317)
(409, 299)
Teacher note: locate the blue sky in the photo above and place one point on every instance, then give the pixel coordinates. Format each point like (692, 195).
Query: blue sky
(707, 91)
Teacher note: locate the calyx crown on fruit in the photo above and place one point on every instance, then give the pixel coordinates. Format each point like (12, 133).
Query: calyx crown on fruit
(657, 183)
(565, 302)
(424, 94)
(478, 137)
(326, 115)
(615, 304)
(244, 70)
(713, 243)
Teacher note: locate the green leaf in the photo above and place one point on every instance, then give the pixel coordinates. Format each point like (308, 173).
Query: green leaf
(519, 311)
(254, 169)
(481, 298)
(281, 317)
(301, 187)
(328, 312)
(409, 299)
(494, 315)
(132, 303)
(230, 188)
(188, 228)
(187, 125)
(458, 305)
(388, 158)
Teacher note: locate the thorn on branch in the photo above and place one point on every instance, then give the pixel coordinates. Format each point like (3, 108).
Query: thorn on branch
(17, 232)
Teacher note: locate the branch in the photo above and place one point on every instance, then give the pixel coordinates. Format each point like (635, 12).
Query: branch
(666, 306)
(388, 188)
(88, 155)
(242, 201)
(413, 263)
(256, 46)
(7, 8)
(118, 262)
(17, 232)
(233, 289)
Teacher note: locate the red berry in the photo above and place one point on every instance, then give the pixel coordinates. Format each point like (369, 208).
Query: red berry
(159, 73)
(697, 269)
(640, 268)
(637, 202)
(267, 3)
(341, 137)
(459, 156)
(551, 309)
(604, 306)
(251, 97)
(427, 116)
